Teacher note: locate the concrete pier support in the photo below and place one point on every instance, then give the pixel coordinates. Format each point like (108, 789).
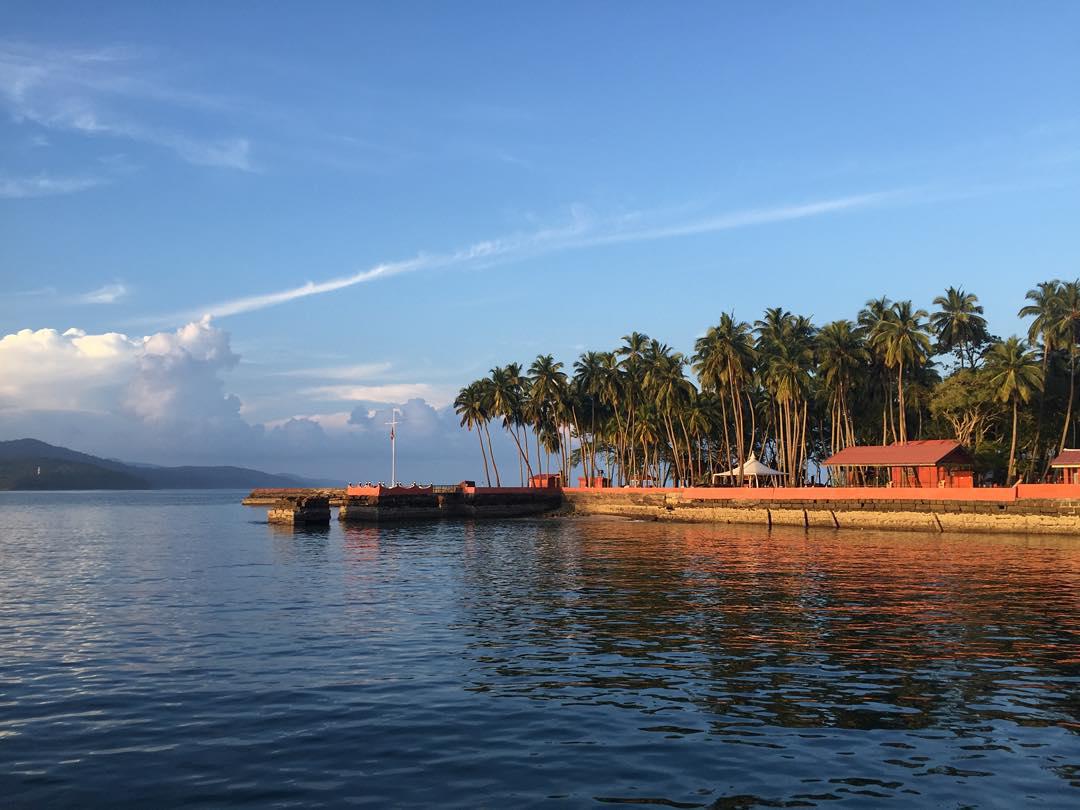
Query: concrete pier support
(297, 510)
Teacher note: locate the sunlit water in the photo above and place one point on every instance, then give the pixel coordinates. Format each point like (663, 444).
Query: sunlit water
(167, 648)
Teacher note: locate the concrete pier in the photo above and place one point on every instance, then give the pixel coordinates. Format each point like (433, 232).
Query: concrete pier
(1024, 509)
(377, 504)
(296, 510)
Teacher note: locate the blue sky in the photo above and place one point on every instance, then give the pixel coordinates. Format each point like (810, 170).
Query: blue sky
(475, 183)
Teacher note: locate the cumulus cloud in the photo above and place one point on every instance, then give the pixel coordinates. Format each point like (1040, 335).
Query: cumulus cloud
(170, 379)
(51, 370)
(163, 399)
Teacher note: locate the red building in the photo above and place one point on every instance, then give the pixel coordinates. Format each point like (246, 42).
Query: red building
(1068, 461)
(929, 463)
(546, 481)
(595, 482)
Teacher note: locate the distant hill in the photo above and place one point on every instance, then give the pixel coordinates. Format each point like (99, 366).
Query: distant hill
(31, 464)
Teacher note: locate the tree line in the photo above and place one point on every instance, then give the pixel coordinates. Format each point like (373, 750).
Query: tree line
(793, 393)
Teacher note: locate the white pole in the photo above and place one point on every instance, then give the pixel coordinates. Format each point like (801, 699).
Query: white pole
(393, 446)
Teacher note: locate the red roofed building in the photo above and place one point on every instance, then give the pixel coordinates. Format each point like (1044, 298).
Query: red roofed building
(1068, 461)
(926, 463)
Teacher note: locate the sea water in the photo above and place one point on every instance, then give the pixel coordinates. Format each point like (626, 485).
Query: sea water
(166, 648)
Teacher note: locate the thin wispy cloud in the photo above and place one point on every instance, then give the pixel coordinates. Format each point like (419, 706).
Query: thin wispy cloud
(80, 91)
(387, 394)
(580, 233)
(20, 188)
(745, 219)
(106, 294)
(350, 372)
(35, 292)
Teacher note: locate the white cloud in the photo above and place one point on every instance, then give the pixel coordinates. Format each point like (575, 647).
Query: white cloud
(78, 91)
(106, 294)
(18, 188)
(349, 372)
(388, 393)
(163, 399)
(580, 233)
(47, 369)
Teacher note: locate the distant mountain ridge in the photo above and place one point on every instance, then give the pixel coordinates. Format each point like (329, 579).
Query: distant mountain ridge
(29, 464)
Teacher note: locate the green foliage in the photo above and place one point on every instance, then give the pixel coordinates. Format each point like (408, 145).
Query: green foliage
(793, 393)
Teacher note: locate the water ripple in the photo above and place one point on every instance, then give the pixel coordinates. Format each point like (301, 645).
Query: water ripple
(166, 648)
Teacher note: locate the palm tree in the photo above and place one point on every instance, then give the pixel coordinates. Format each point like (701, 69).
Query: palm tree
(632, 354)
(785, 349)
(958, 323)
(870, 316)
(842, 358)
(1067, 331)
(723, 361)
(902, 338)
(547, 393)
(486, 390)
(609, 386)
(469, 405)
(1016, 375)
(589, 378)
(507, 401)
(1045, 301)
(670, 392)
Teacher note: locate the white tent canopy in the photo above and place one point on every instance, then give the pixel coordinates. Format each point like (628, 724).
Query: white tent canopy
(752, 469)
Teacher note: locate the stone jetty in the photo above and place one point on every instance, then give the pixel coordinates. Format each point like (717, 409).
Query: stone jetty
(296, 510)
(1024, 508)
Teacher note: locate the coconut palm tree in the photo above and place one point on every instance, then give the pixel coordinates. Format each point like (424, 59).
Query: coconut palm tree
(670, 392)
(842, 359)
(507, 401)
(1015, 376)
(632, 356)
(724, 362)
(785, 351)
(1067, 330)
(470, 406)
(547, 392)
(903, 340)
(589, 378)
(870, 316)
(959, 324)
(609, 387)
(1044, 309)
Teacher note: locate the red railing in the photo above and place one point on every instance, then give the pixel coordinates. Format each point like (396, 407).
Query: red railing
(990, 494)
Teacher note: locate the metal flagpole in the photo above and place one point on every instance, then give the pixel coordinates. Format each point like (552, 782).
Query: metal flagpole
(393, 423)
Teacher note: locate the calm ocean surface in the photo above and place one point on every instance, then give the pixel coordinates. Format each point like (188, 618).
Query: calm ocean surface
(167, 648)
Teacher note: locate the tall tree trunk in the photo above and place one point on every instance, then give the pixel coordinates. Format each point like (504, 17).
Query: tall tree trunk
(521, 453)
(491, 448)
(487, 475)
(727, 444)
(539, 458)
(902, 415)
(1012, 447)
(1037, 448)
(736, 412)
(1072, 389)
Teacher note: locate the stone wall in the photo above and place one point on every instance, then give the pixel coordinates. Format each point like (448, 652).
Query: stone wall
(1036, 516)
(305, 510)
(461, 503)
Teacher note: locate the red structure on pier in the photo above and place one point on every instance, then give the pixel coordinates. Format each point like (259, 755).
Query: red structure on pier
(929, 463)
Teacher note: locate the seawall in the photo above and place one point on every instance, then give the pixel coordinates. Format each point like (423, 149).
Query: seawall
(269, 497)
(381, 504)
(1032, 509)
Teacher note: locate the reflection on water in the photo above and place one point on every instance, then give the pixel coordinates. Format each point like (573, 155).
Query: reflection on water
(191, 653)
